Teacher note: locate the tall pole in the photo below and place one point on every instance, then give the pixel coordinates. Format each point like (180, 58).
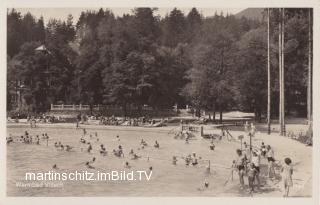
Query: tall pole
(309, 98)
(282, 73)
(269, 75)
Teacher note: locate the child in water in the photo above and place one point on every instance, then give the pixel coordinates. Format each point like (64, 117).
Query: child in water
(174, 160)
(212, 146)
(156, 145)
(287, 172)
(251, 176)
(89, 148)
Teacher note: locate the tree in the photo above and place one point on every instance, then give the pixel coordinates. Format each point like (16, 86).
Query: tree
(174, 28)
(252, 76)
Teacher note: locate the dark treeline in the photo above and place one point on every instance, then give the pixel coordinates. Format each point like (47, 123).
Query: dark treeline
(216, 63)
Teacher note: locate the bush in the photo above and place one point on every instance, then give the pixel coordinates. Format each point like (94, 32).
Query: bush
(18, 114)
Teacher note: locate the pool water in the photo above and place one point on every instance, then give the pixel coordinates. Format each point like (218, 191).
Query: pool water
(166, 180)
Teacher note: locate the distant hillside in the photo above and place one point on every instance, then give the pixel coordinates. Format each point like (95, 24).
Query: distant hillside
(251, 13)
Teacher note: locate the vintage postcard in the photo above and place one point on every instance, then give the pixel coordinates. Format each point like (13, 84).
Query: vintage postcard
(160, 101)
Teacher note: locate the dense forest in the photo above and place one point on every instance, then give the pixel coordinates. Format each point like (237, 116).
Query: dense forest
(216, 63)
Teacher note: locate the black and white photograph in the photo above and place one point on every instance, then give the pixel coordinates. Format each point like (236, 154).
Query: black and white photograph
(159, 102)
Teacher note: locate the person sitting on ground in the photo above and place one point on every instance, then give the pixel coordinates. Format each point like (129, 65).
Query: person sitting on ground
(118, 138)
(55, 166)
(156, 145)
(287, 172)
(56, 145)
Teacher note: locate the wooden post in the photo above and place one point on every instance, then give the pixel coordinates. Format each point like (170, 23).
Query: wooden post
(309, 98)
(269, 78)
(280, 73)
(283, 79)
(250, 135)
(201, 131)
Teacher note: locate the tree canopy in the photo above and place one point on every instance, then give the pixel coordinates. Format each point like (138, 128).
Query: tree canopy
(215, 63)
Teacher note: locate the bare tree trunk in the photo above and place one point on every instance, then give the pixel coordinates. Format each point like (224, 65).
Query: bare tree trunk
(269, 75)
(309, 98)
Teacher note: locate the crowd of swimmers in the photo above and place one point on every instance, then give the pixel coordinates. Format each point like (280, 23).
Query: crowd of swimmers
(247, 163)
(27, 138)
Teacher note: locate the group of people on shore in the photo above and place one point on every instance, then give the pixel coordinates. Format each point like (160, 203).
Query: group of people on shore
(248, 163)
(127, 121)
